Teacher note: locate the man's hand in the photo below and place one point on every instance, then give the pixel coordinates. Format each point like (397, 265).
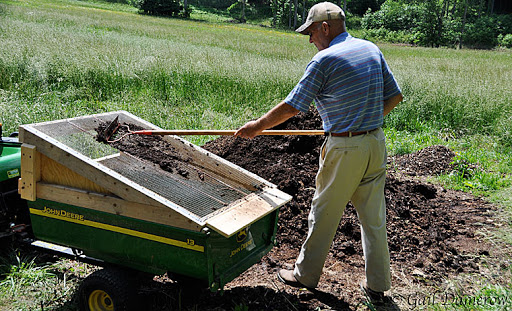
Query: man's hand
(277, 115)
(249, 130)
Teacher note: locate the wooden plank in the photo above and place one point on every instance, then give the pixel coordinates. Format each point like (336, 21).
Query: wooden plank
(275, 197)
(109, 204)
(247, 211)
(30, 172)
(108, 157)
(53, 172)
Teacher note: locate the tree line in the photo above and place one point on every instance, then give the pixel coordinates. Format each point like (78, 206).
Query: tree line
(453, 23)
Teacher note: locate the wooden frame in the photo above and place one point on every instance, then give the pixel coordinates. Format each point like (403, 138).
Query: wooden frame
(53, 171)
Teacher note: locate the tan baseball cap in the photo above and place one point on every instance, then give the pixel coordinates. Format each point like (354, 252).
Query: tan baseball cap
(320, 12)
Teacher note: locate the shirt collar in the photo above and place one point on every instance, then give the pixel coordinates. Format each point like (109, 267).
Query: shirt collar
(342, 37)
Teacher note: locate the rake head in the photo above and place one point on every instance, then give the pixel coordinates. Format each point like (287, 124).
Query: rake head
(109, 131)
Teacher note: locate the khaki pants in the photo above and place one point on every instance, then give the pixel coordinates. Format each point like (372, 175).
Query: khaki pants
(351, 168)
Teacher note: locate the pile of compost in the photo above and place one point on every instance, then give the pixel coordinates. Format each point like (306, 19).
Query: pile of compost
(431, 230)
(422, 219)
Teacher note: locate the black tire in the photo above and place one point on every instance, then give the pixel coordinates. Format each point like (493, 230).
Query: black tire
(106, 290)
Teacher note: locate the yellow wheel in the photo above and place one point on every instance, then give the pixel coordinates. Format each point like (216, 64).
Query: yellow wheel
(107, 289)
(99, 300)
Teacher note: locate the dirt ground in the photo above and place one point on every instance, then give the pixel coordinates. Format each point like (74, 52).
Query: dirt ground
(435, 235)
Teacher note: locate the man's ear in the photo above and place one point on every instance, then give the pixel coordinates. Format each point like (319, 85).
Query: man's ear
(325, 28)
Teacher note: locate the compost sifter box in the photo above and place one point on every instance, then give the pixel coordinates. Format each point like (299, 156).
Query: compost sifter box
(211, 223)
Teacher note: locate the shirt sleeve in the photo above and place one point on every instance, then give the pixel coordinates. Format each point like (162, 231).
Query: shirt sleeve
(308, 87)
(391, 87)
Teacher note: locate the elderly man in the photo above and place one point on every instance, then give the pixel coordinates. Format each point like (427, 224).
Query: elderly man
(353, 90)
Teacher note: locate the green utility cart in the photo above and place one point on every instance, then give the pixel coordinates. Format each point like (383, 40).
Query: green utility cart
(13, 210)
(211, 223)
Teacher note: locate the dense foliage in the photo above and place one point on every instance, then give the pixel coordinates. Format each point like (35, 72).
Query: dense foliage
(160, 7)
(291, 14)
(438, 23)
(453, 23)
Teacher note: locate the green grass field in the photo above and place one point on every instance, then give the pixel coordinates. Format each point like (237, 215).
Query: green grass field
(66, 58)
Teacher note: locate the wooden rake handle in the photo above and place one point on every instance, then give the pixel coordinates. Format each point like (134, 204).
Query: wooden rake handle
(226, 132)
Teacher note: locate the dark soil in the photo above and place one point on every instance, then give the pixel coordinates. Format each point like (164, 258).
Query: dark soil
(147, 147)
(431, 161)
(431, 230)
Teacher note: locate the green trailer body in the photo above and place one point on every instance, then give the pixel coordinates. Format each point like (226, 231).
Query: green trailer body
(125, 211)
(153, 248)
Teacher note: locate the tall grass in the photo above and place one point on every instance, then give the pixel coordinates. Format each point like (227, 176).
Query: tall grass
(462, 91)
(61, 59)
(65, 58)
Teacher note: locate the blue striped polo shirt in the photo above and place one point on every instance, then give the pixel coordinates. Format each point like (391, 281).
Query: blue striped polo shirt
(349, 82)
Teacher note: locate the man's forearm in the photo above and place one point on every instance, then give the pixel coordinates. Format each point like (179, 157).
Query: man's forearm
(277, 115)
(392, 103)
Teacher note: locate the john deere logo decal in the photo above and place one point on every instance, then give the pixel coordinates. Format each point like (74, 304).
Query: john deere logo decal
(242, 235)
(245, 244)
(13, 173)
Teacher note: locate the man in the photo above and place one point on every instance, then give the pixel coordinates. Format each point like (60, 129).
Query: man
(353, 89)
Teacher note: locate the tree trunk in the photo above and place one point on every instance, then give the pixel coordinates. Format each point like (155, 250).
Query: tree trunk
(290, 15)
(295, 7)
(185, 5)
(303, 11)
(274, 17)
(440, 22)
(480, 6)
(242, 18)
(463, 22)
(446, 6)
(454, 7)
(344, 4)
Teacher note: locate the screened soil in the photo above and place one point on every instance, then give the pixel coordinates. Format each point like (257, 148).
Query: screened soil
(148, 147)
(432, 231)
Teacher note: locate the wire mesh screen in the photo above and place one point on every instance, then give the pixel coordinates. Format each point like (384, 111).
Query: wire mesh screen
(199, 191)
(79, 135)
(200, 194)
